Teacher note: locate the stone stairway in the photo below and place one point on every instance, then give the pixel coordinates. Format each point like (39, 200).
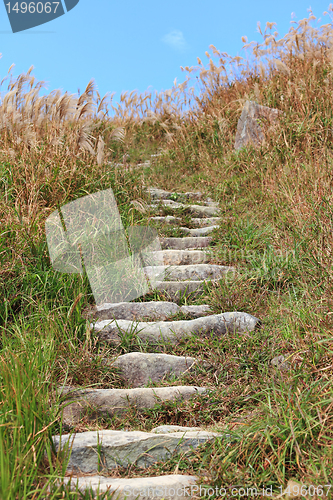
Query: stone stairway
(187, 271)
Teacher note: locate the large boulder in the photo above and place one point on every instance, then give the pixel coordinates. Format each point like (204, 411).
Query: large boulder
(250, 129)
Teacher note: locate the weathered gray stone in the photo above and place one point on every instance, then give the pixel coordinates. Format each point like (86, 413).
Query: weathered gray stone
(202, 211)
(204, 221)
(171, 331)
(195, 221)
(152, 311)
(170, 219)
(109, 402)
(138, 368)
(211, 203)
(182, 257)
(184, 243)
(165, 429)
(249, 130)
(120, 448)
(196, 311)
(179, 204)
(174, 290)
(201, 231)
(161, 194)
(191, 271)
(172, 487)
(199, 210)
(134, 310)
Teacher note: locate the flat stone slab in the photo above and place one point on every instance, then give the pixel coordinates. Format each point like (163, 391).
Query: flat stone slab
(175, 289)
(196, 311)
(170, 219)
(195, 221)
(190, 272)
(180, 203)
(182, 257)
(200, 231)
(164, 429)
(205, 221)
(172, 331)
(172, 487)
(108, 402)
(199, 210)
(186, 242)
(121, 448)
(134, 310)
(153, 310)
(138, 368)
(161, 194)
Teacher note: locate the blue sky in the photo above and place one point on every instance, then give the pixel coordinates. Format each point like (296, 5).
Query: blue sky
(127, 45)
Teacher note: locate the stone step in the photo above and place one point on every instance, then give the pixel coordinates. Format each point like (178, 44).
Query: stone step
(205, 221)
(189, 272)
(110, 449)
(182, 257)
(174, 290)
(201, 231)
(196, 311)
(177, 204)
(137, 369)
(161, 194)
(172, 331)
(185, 243)
(165, 429)
(93, 403)
(199, 210)
(149, 310)
(170, 219)
(171, 487)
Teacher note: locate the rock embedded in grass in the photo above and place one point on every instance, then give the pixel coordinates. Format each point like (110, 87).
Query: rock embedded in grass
(173, 331)
(182, 257)
(153, 310)
(161, 194)
(190, 272)
(184, 243)
(169, 487)
(115, 449)
(201, 231)
(174, 290)
(199, 210)
(138, 368)
(132, 310)
(195, 221)
(249, 131)
(93, 403)
(164, 429)
(170, 219)
(196, 311)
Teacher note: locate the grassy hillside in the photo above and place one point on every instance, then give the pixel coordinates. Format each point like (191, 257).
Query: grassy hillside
(276, 229)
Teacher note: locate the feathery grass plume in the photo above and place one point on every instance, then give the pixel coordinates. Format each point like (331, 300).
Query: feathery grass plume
(118, 134)
(140, 205)
(85, 139)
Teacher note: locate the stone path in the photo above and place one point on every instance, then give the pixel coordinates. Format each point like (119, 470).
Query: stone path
(187, 269)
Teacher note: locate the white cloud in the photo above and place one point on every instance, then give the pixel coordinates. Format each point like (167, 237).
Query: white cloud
(176, 40)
